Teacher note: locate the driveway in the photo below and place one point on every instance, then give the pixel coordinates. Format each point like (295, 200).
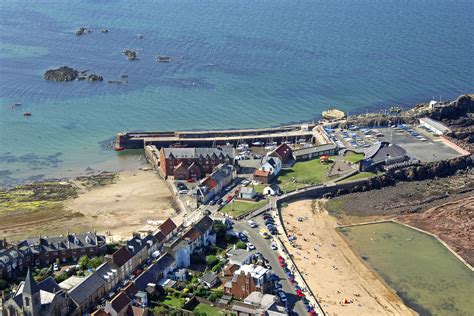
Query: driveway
(263, 246)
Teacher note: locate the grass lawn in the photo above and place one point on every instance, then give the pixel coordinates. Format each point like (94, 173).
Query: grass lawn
(353, 157)
(259, 188)
(209, 310)
(237, 208)
(305, 173)
(360, 175)
(173, 301)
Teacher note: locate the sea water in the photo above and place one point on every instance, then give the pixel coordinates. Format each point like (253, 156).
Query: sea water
(423, 272)
(234, 64)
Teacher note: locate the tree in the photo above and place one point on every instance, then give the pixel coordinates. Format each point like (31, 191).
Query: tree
(83, 262)
(212, 297)
(95, 262)
(220, 228)
(211, 260)
(241, 245)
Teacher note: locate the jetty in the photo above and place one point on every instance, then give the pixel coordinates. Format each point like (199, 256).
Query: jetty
(308, 133)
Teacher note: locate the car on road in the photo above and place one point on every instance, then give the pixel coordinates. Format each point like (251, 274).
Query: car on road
(250, 246)
(228, 188)
(282, 264)
(245, 182)
(243, 237)
(252, 224)
(183, 191)
(212, 202)
(282, 296)
(273, 246)
(219, 201)
(228, 199)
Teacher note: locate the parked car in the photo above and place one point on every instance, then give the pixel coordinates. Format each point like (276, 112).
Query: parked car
(273, 246)
(282, 296)
(55, 267)
(245, 182)
(212, 202)
(250, 246)
(183, 191)
(219, 202)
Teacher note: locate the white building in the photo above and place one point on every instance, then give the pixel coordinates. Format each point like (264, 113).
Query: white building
(435, 126)
(271, 165)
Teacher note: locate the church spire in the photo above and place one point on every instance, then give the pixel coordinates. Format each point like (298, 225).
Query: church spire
(30, 286)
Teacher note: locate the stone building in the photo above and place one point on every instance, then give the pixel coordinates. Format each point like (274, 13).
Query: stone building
(187, 163)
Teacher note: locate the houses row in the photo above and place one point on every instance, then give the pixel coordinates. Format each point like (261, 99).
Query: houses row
(168, 249)
(15, 259)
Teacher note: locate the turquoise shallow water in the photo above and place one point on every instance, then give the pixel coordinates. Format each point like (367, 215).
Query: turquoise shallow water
(235, 64)
(423, 272)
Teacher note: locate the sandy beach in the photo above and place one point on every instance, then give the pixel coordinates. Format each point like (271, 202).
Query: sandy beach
(136, 201)
(331, 269)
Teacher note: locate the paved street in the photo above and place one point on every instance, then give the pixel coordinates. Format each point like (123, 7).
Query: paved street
(263, 246)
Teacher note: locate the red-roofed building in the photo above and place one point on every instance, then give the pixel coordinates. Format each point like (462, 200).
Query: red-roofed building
(283, 152)
(122, 259)
(168, 228)
(261, 176)
(215, 182)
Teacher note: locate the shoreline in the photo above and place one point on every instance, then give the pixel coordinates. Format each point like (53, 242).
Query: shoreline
(110, 165)
(332, 270)
(86, 204)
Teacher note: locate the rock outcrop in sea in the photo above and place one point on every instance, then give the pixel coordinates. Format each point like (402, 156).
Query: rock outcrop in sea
(66, 73)
(63, 73)
(82, 30)
(131, 54)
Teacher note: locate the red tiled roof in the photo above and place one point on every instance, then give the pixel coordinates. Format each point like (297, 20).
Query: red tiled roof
(210, 183)
(261, 173)
(167, 227)
(192, 234)
(137, 311)
(130, 290)
(119, 302)
(121, 256)
(283, 150)
(160, 236)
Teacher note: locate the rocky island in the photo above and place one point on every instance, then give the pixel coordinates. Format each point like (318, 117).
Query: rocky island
(66, 73)
(63, 73)
(131, 54)
(82, 30)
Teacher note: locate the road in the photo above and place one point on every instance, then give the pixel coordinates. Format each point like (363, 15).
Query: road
(263, 246)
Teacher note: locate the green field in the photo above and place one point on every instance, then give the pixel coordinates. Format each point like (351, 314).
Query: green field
(207, 310)
(302, 174)
(360, 175)
(237, 208)
(173, 301)
(353, 157)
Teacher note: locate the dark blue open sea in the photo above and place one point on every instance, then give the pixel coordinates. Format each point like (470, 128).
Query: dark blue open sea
(235, 64)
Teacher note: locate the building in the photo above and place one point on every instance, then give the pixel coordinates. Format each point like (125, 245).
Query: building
(240, 256)
(247, 193)
(168, 229)
(283, 152)
(271, 164)
(122, 261)
(261, 176)
(383, 154)
(15, 259)
(314, 152)
(248, 279)
(258, 304)
(209, 280)
(37, 299)
(186, 163)
(435, 126)
(213, 184)
(109, 274)
(157, 271)
(272, 189)
(87, 293)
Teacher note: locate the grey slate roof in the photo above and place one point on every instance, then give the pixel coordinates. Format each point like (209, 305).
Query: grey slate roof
(385, 151)
(209, 277)
(192, 153)
(58, 243)
(153, 272)
(204, 224)
(81, 292)
(314, 149)
(30, 286)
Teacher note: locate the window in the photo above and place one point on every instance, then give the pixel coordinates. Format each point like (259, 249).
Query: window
(27, 301)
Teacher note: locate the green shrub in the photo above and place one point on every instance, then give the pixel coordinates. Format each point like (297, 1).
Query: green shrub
(241, 245)
(61, 277)
(212, 297)
(211, 260)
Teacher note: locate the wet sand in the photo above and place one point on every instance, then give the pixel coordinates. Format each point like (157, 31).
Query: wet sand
(331, 268)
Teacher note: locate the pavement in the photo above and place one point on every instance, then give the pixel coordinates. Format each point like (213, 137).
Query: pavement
(263, 246)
